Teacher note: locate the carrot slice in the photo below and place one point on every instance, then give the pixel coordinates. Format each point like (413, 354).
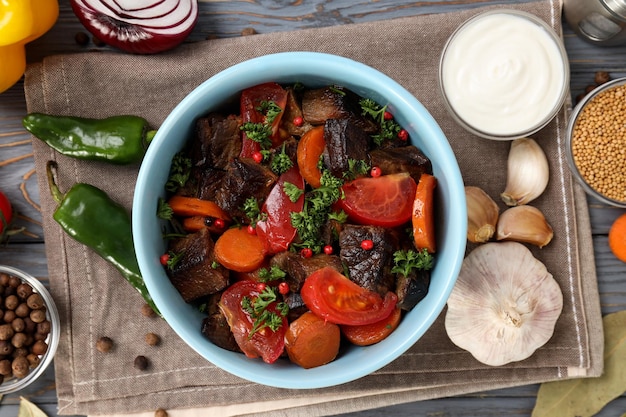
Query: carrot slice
(617, 238)
(423, 217)
(239, 250)
(310, 148)
(368, 334)
(311, 341)
(191, 206)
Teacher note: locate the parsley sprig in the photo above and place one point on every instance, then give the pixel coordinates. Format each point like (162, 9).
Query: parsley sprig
(261, 132)
(316, 211)
(179, 172)
(257, 308)
(281, 162)
(389, 129)
(405, 261)
(252, 210)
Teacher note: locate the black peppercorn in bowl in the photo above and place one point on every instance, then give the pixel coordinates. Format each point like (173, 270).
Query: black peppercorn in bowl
(596, 143)
(29, 329)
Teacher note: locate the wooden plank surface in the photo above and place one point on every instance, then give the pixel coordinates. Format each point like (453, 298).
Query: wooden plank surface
(222, 18)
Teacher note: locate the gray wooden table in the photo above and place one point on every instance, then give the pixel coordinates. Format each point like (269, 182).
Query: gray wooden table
(223, 18)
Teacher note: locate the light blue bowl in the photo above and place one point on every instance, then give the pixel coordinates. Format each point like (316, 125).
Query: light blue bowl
(312, 70)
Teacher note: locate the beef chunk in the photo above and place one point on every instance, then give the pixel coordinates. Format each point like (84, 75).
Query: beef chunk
(412, 289)
(319, 105)
(404, 159)
(296, 306)
(219, 140)
(209, 180)
(215, 326)
(244, 178)
(368, 268)
(344, 141)
(194, 275)
(293, 109)
(298, 268)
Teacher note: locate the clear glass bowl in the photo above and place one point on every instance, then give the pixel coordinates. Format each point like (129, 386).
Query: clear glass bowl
(16, 384)
(504, 75)
(569, 136)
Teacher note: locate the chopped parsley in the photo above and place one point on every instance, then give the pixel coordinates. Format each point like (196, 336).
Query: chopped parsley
(253, 211)
(257, 308)
(292, 191)
(272, 274)
(389, 128)
(261, 132)
(356, 168)
(179, 172)
(164, 211)
(173, 259)
(281, 162)
(406, 261)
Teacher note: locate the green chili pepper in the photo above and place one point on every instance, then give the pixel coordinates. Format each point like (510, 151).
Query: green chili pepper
(91, 217)
(117, 139)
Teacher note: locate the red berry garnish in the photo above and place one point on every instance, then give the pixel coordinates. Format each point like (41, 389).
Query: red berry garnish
(283, 288)
(260, 287)
(298, 121)
(328, 250)
(258, 157)
(387, 115)
(251, 229)
(376, 172)
(403, 135)
(367, 244)
(219, 223)
(306, 252)
(164, 259)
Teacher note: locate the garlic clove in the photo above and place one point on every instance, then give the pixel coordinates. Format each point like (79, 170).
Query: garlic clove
(504, 305)
(482, 215)
(524, 224)
(527, 172)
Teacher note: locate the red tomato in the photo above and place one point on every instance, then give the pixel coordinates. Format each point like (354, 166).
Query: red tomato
(335, 298)
(6, 212)
(267, 344)
(251, 99)
(380, 201)
(276, 231)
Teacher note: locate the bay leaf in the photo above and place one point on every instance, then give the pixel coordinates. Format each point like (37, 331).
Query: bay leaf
(585, 397)
(28, 409)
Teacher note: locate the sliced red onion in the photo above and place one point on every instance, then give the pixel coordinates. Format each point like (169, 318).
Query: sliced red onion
(138, 26)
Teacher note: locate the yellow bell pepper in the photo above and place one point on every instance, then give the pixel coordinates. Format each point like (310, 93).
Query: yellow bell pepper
(21, 21)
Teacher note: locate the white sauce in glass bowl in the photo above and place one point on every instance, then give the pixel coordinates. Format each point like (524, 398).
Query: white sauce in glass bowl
(503, 74)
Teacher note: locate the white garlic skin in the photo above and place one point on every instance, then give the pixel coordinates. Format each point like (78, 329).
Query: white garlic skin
(504, 305)
(482, 215)
(528, 172)
(525, 224)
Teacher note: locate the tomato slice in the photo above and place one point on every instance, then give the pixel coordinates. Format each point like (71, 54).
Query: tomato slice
(265, 343)
(276, 231)
(380, 201)
(335, 298)
(251, 99)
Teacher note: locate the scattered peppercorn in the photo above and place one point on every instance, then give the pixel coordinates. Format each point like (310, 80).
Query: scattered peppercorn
(602, 77)
(141, 363)
(104, 344)
(367, 244)
(160, 413)
(147, 311)
(81, 38)
(152, 339)
(599, 143)
(306, 252)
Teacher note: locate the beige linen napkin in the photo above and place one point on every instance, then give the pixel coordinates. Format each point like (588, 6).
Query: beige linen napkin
(95, 301)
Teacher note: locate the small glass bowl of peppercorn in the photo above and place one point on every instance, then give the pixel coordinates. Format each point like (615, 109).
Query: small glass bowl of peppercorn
(29, 329)
(596, 142)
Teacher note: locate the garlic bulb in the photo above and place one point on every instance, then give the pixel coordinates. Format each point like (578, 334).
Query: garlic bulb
(482, 215)
(524, 224)
(527, 172)
(504, 305)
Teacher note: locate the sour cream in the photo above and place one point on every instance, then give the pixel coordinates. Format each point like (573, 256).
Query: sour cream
(504, 74)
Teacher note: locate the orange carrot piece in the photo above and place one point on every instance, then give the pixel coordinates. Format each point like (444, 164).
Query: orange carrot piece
(423, 216)
(238, 250)
(311, 341)
(617, 238)
(191, 206)
(310, 148)
(368, 334)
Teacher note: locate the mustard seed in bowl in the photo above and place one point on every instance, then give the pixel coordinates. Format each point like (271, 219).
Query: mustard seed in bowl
(597, 143)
